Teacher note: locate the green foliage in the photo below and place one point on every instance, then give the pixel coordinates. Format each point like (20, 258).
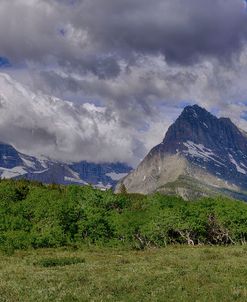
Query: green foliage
(51, 262)
(36, 215)
(123, 189)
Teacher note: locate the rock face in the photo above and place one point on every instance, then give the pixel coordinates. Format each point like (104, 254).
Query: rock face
(200, 155)
(14, 164)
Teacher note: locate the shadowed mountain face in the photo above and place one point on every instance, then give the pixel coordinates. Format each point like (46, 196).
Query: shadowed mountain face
(14, 164)
(200, 155)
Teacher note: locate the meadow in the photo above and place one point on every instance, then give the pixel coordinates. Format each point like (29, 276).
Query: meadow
(174, 273)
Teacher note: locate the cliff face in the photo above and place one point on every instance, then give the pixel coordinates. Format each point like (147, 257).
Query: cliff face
(200, 155)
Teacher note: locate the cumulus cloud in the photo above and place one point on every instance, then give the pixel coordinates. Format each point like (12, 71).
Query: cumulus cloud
(138, 60)
(43, 125)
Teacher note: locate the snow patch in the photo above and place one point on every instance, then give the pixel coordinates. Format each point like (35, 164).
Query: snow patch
(14, 172)
(195, 114)
(75, 180)
(116, 176)
(39, 172)
(233, 161)
(200, 151)
(102, 187)
(28, 163)
(243, 165)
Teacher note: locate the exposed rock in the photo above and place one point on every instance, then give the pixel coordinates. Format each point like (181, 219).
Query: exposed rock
(200, 155)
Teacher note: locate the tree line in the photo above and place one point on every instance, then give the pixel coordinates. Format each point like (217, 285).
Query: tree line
(37, 215)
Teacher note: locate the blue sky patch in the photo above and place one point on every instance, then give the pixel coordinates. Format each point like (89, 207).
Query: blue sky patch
(4, 62)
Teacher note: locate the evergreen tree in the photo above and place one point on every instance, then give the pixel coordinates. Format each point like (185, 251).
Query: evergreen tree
(123, 189)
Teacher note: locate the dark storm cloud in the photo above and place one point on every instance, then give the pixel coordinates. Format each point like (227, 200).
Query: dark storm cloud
(93, 35)
(137, 59)
(181, 30)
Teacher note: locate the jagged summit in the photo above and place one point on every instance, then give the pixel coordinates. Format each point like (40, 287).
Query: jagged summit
(199, 126)
(195, 111)
(193, 123)
(197, 146)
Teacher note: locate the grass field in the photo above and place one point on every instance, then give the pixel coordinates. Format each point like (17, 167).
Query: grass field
(177, 273)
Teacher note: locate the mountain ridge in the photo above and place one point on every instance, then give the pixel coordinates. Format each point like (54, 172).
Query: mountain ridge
(198, 145)
(16, 165)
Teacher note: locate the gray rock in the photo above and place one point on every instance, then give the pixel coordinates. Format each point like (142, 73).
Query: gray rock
(200, 155)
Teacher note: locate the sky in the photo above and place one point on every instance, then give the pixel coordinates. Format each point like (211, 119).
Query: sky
(101, 80)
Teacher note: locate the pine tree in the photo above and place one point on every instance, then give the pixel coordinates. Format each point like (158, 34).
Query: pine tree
(123, 189)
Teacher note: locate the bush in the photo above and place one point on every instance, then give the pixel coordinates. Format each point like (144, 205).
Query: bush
(51, 262)
(36, 215)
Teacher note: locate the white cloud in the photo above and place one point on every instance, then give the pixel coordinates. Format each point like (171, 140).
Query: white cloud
(42, 125)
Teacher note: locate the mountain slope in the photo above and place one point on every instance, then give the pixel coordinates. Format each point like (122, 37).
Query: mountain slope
(14, 164)
(200, 155)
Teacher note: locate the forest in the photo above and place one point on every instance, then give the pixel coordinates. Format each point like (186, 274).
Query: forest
(34, 215)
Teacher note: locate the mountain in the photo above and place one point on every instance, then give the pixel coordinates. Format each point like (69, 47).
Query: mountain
(14, 164)
(200, 155)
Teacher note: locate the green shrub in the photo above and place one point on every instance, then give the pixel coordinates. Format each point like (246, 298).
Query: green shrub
(51, 262)
(36, 215)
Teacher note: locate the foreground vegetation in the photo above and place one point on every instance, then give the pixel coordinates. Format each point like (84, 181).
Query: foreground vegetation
(101, 246)
(33, 215)
(174, 273)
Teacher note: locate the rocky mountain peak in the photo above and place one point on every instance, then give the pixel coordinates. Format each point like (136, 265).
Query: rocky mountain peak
(195, 111)
(197, 145)
(196, 124)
